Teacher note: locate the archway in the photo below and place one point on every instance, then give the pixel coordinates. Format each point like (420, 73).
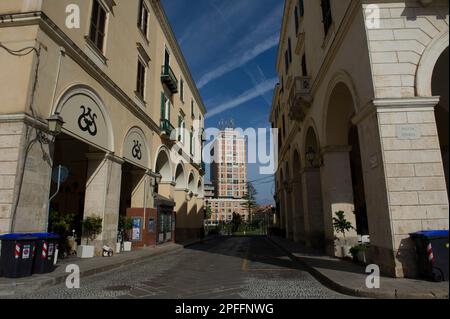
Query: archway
(312, 185)
(439, 85)
(163, 167)
(91, 187)
(342, 177)
(180, 177)
(299, 215)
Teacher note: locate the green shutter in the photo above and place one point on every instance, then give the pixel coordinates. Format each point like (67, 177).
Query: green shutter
(190, 141)
(163, 105)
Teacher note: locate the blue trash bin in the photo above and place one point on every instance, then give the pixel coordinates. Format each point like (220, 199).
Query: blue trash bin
(432, 253)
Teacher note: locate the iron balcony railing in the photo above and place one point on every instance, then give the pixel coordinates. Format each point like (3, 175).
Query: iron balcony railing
(300, 98)
(169, 78)
(166, 127)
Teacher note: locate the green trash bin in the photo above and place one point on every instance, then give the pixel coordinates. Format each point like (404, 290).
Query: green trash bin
(17, 255)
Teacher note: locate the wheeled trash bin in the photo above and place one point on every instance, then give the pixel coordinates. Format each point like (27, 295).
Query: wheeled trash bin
(17, 254)
(46, 247)
(432, 252)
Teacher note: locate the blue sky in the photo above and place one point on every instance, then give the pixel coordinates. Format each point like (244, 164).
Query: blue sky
(230, 47)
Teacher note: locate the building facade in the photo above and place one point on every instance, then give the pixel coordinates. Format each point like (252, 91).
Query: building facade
(118, 79)
(229, 176)
(362, 113)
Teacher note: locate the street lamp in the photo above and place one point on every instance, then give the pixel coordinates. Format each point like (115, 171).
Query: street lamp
(311, 156)
(55, 124)
(156, 180)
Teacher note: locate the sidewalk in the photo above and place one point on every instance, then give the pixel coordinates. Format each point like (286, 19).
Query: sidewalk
(349, 278)
(88, 267)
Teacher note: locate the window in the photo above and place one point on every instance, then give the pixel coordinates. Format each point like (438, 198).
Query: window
(182, 127)
(297, 25)
(192, 109)
(326, 15)
(165, 107)
(290, 50)
(98, 25)
(301, 6)
(191, 143)
(182, 90)
(304, 68)
(143, 18)
(286, 61)
(140, 82)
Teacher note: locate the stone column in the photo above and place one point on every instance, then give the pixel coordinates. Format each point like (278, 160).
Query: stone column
(298, 212)
(313, 208)
(337, 190)
(289, 211)
(413, 177)
(181, 209)
(103, 184)
(25, 173)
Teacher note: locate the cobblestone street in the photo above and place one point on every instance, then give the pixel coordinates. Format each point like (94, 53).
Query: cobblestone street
(234, 268)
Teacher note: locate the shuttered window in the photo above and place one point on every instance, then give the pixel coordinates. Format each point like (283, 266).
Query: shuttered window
(140, 81)
(143, 18)
(98, 25)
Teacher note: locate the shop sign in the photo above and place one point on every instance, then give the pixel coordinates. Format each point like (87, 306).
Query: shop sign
(135, 148)
(84, 118)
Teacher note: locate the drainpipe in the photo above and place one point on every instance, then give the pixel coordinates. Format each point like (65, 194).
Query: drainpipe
(62, 53)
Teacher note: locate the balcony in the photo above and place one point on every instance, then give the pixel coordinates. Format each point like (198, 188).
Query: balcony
(167, 128)
(300, 98)
(169, 78)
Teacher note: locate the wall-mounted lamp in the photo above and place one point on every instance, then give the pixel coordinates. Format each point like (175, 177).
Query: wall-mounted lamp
(311, 156)
(55, 124)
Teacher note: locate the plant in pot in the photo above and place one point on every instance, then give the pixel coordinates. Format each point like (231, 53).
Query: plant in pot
(342, 225)
(359, 253)
(61, 224)
(124, 241)
(92, 227)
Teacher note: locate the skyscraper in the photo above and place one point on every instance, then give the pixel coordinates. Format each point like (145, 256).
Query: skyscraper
(228, 175)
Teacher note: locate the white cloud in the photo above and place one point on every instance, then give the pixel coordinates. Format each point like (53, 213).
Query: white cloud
(256, 91)
(233, 64)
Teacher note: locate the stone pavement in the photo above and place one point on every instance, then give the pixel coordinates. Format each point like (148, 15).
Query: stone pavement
(88, 267)
(349, 278)
(224, 268)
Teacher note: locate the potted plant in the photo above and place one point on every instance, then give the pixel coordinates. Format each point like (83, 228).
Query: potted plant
(92, 227)
(359, 253)
(342, 225)
(125, 227)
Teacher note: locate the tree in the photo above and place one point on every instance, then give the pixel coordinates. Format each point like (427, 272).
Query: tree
(208, 213)
(341, 224)
(92, 227)
(249, 198)
(236, 222)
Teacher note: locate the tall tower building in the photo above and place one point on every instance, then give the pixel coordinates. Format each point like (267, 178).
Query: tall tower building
(229, 176)
(229, 167)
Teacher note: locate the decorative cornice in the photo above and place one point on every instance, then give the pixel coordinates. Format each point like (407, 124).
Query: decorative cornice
(170, 36)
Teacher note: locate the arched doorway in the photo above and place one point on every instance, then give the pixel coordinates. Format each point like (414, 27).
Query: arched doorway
(93, 175)
(342, 173)
(164, 199)
(163, 166)
(297, 193)
(439, 86)
(312, 186)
